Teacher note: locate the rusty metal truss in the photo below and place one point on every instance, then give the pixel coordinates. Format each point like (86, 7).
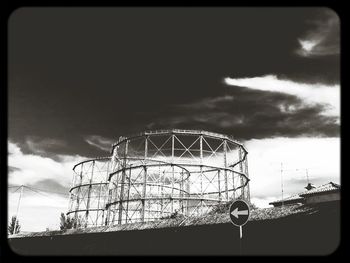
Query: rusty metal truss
(152, 175)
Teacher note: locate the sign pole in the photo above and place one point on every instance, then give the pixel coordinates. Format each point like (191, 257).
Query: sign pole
(240, 240)
(239, 215)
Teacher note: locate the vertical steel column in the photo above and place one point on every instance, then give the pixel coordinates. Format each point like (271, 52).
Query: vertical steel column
(143, 201)
(172, 147)
(201, 162)
(109, 198)
(219, 185)
(144, 194)
(162, 193)
(188, 189)
(89, 195)
(242, 171)
(181, 192)
(225, 164)
(121, 197)
(127, 204)
(172, 172)
(71, 195)
(78, 193)
(146, 147)
(98, 203)
(201, 169)
(246, 173)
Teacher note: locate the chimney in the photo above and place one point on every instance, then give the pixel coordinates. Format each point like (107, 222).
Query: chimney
(309, 186)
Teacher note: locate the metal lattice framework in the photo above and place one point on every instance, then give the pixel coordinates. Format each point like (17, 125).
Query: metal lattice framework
(154, 174)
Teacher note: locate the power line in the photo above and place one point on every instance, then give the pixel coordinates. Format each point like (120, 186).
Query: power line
(41, 190)
(16, 189)
(13, 186)
(34, 190)
(48, 191)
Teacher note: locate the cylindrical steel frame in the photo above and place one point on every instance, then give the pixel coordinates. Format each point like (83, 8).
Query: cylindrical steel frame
(153, 175)
(89, 192)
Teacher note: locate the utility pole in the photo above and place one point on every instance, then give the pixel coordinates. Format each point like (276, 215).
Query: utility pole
(306, 173)
(282, 181)
(18, 204)
(307, 176)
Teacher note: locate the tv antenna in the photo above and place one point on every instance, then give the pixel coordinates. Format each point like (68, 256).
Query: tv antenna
(282, 181)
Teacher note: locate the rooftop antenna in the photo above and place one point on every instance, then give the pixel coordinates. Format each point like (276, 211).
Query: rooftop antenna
(282, 181)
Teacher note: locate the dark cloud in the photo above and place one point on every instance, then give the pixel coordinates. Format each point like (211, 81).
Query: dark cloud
(74, 73)
(323, 36)
(12, 169)
(256, 114)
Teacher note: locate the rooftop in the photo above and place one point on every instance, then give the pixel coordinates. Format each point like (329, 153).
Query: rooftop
(325, 188)
(330, 187)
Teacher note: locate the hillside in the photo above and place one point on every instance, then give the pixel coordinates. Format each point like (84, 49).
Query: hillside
(218, 215)
(290, 230)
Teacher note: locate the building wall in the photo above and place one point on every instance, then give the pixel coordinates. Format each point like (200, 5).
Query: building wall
(322, 198)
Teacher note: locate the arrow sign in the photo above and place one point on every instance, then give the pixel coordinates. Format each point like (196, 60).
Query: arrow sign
(237, 213)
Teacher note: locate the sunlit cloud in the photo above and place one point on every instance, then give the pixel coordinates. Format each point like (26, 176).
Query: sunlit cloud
(311, 94)
(38, 209)
(100, 142)
(32, 168)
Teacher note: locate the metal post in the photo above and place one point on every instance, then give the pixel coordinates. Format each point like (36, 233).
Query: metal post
(219, 185)
(144, 194)
(188, 195)
(172, 147)
(181, 193)
(127, 204)
(240, 240)
(247, 174)
(89, 195)
(241, 170)
(146, 147)
(18, 205)
(201, 163)
(172, 189)
(143, 201)
(225, 171)
(282, 181)
(121, 197)
(98, 203)
(162, 193)
(78, 193)
(172, 172)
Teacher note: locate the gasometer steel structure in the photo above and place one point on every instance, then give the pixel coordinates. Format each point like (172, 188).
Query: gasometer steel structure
(154, 174)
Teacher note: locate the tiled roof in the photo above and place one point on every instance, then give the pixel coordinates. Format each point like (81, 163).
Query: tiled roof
(321, 189)
(290, 198)
(329, 187)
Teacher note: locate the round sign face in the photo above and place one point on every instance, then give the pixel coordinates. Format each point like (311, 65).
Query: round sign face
(239, 212)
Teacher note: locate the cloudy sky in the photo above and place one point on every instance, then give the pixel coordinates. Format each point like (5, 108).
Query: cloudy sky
(81, 77)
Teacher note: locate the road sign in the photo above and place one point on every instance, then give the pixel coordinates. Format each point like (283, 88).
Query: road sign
(239, 212)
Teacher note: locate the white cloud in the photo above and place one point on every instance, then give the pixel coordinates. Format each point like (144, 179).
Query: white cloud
(100, 142)
(308, 45)
(311, 94)
(40, 145)
(33, 168)
(38, 211)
